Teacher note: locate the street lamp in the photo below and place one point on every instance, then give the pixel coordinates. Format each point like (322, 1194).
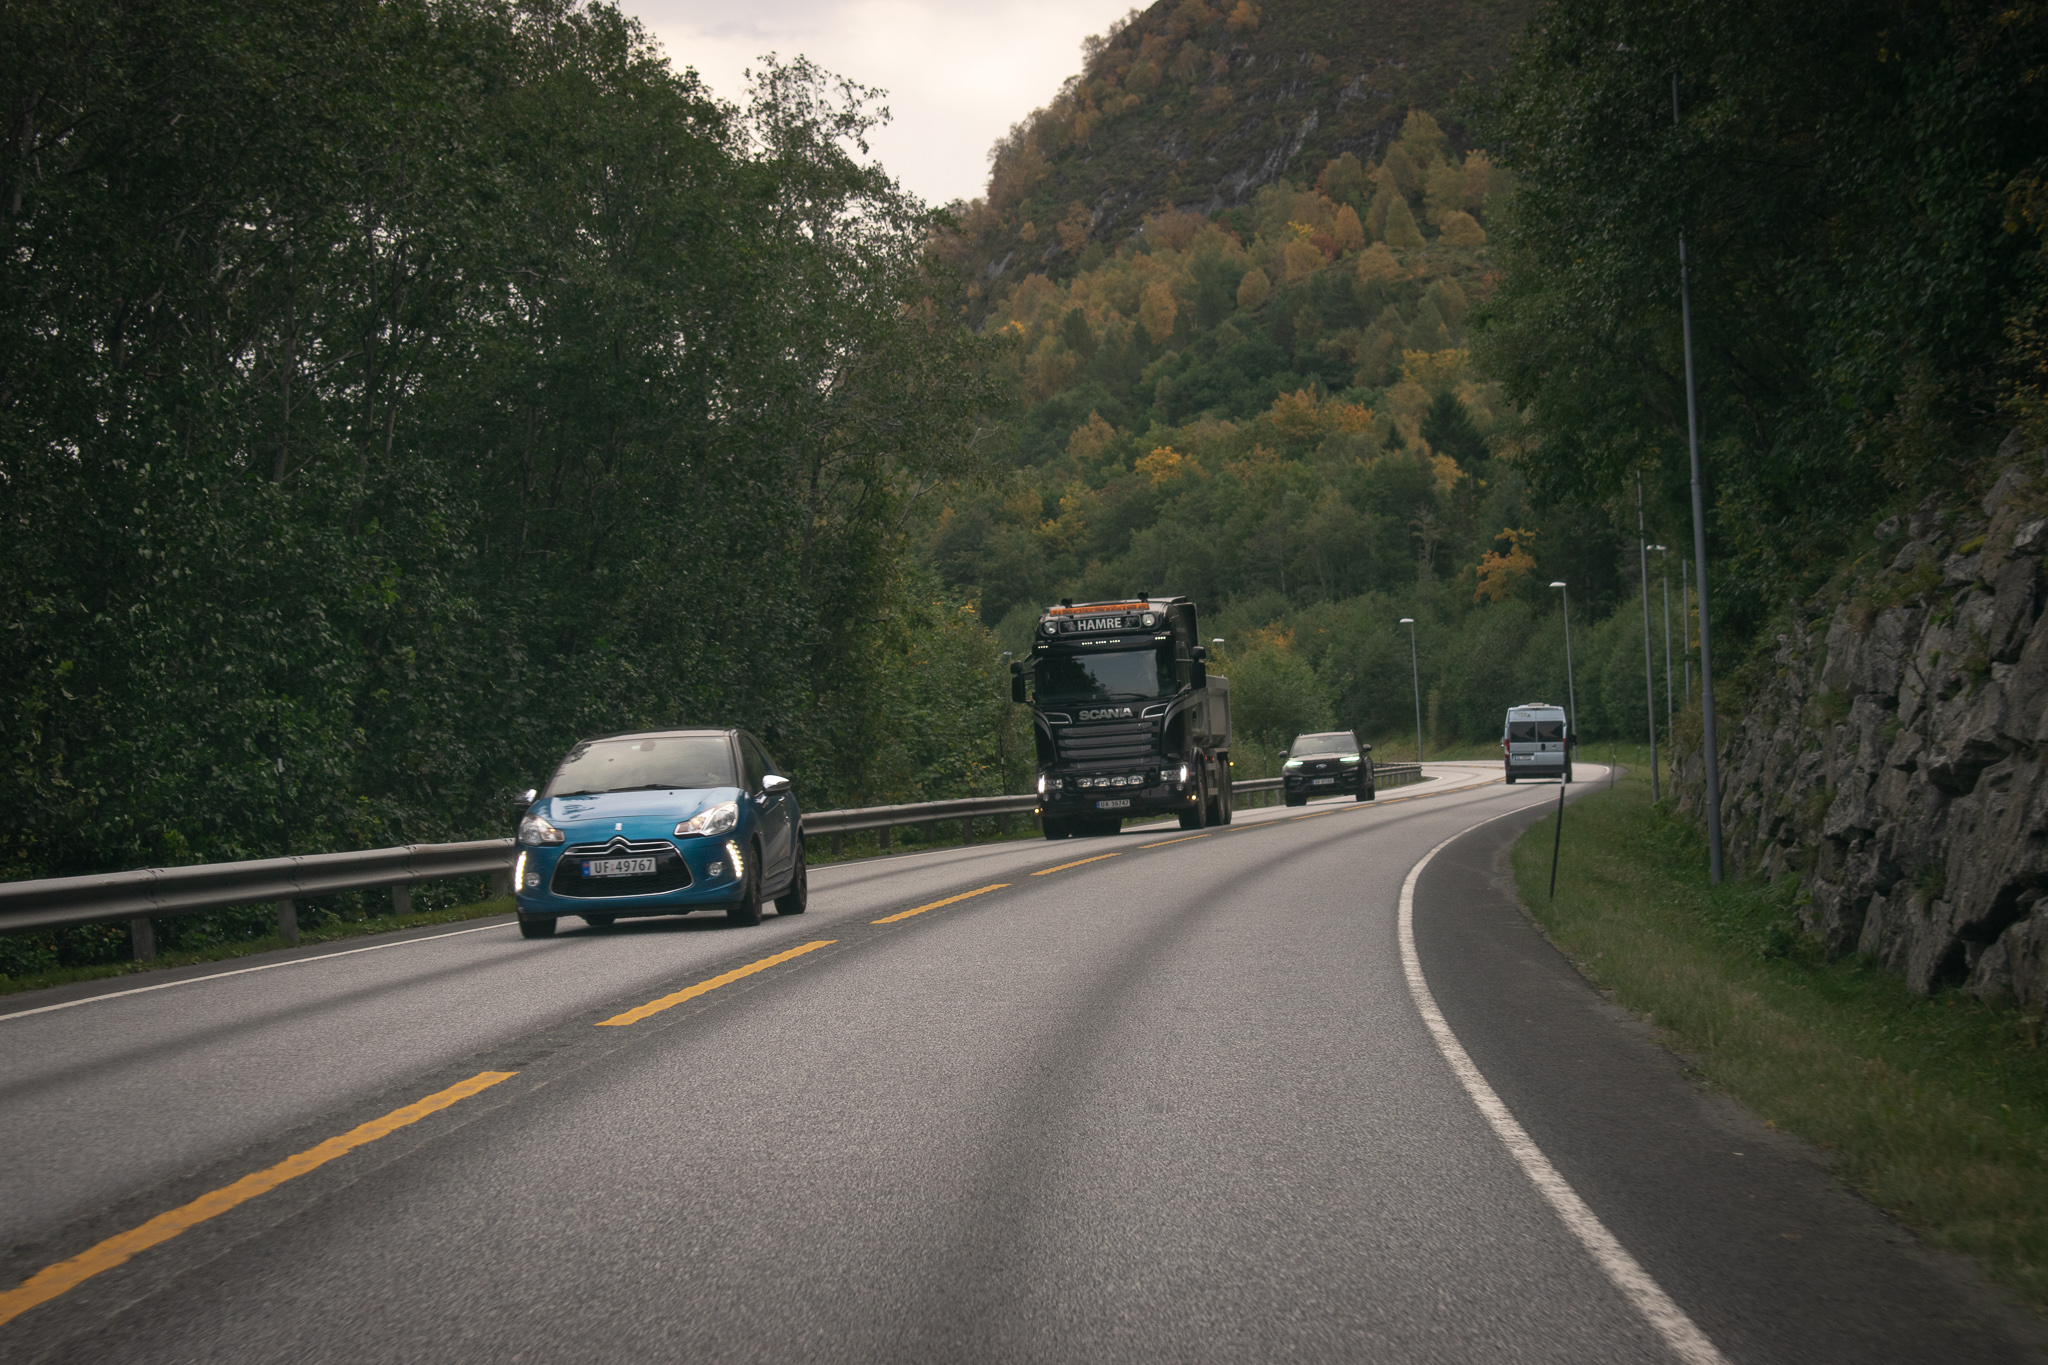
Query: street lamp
(1415, 672)
(1216, 642)
(1649, 669)
(1571, 694)
(1670, 710)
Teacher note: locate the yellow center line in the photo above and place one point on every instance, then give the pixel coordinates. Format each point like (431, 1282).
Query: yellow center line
(639, 1012)
(49, 1282)
(1076, 863)
(1183, 839)
(906, 914)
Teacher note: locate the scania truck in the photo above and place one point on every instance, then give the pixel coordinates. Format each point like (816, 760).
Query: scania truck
(1128, 719)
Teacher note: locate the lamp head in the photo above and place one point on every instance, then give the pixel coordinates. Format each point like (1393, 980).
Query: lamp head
(1558, 584)
(1407, 621)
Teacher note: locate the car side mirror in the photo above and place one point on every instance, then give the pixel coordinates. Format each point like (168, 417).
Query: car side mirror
(773, 783)
(1365, 748)
(528, 797)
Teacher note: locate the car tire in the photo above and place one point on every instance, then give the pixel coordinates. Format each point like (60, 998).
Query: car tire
(1367, 792)
(1291, 799)
(1055, 827)
(599, 921)
(797, 898)
(536, 926)
(745, 912)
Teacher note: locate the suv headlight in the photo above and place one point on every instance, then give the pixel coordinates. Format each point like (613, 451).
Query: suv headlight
(1292, 764)
(1349, 758)
(712, 819)
(534, 830)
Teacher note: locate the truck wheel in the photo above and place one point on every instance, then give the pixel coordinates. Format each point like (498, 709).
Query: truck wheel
(1055, 828)
(1229, 806)
(1197, 818)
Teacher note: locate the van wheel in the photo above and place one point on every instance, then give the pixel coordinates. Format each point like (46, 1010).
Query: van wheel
(1511, 779)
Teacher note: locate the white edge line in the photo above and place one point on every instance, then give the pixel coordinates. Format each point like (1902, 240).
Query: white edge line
(1685, 1339)
(241, 971)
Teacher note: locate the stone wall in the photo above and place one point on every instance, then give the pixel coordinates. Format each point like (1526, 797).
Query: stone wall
(1898, 757)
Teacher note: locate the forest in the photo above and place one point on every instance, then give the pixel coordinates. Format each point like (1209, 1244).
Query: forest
(392, 394)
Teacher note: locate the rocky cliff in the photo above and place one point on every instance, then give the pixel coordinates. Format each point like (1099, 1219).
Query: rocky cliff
(1897, 757)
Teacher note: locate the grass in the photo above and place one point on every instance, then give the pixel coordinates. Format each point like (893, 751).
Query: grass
(221, 952)
(1936, 1109)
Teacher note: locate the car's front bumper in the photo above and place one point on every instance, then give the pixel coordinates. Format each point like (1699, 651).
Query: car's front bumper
(1345, 782)
(537, 893)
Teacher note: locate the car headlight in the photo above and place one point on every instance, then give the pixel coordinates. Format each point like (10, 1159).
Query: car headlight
(712, 819)
(534, 830)
(1292, 764)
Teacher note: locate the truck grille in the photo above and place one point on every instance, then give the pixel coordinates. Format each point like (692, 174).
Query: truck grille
(1114, 742)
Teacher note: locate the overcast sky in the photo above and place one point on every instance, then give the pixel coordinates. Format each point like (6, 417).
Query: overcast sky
(958, 74)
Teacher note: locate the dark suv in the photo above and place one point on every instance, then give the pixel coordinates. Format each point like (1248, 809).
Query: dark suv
(1333, 764)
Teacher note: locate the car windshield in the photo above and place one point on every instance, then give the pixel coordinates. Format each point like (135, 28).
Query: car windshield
(1340, 742)
(1536, 731)
(1112, 675)
(645, 763)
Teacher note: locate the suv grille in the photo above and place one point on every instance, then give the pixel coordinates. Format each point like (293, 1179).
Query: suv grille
(670, 873)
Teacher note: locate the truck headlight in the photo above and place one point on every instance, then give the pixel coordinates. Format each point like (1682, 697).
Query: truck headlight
(534, 830)
(1183, 772)
(712, 819)
(1041, 784)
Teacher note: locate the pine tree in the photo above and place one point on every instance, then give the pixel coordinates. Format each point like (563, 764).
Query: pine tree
(1348, 233)
(1401, 232)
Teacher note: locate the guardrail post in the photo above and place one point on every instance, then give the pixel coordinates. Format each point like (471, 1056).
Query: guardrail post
(882, 838)
(142, 940)
(288, 921)
(931, 831)
(967, 829)
(401, 898)
(501, 883)
(1003, 825)
(838, 845)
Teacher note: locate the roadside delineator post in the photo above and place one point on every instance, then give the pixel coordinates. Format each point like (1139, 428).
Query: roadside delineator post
(1557, 841)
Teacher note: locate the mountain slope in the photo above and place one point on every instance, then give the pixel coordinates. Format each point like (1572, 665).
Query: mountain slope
(1196, 107)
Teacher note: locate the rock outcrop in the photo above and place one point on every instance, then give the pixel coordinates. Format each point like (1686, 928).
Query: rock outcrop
(1898, 757)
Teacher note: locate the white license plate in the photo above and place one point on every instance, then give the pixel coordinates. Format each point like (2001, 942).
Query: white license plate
(618, 867)
(1322, 781)
(1121, 803)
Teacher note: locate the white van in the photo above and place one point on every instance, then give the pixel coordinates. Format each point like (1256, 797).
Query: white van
(1537, 742)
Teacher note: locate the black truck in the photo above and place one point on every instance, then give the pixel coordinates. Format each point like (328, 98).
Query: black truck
(1129, 721)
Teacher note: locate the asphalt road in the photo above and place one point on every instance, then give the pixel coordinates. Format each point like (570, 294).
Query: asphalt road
(1150, 1097)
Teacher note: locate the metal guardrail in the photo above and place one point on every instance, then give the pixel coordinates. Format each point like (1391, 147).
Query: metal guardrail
(160, 892)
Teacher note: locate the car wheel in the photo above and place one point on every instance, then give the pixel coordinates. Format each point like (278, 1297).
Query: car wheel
(599, 921)
(746, 911)
(536, 926)
(1367, 792)
(1056, 828)
(797, 899)
(1291, 799)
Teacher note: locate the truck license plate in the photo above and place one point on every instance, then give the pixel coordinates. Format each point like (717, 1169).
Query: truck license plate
(1322, 781)
(1121, 803)
(618, 867)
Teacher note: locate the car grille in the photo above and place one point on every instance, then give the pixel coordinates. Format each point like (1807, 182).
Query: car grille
(670, 873)
(1116, 742)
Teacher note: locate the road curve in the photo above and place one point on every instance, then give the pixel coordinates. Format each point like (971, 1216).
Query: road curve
(1150, 1097)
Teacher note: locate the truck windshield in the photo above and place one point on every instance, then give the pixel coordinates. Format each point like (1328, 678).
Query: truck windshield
(1112, 675)
(645, 763)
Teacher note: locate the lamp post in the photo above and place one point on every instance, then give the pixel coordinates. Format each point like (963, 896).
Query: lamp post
(1710, 743)
(1649, 669)
(1415, 672)
(1571, 694)
(1685, 621)
(1670, 708)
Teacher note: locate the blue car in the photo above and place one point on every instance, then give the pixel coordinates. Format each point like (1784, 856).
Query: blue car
(661, 822)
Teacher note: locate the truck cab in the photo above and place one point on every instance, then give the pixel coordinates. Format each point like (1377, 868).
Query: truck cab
(1127, 718)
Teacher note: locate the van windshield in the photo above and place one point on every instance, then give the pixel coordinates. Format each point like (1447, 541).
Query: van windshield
(1535, 731)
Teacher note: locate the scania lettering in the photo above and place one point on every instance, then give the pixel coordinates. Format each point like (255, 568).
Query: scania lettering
(1128, 719)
